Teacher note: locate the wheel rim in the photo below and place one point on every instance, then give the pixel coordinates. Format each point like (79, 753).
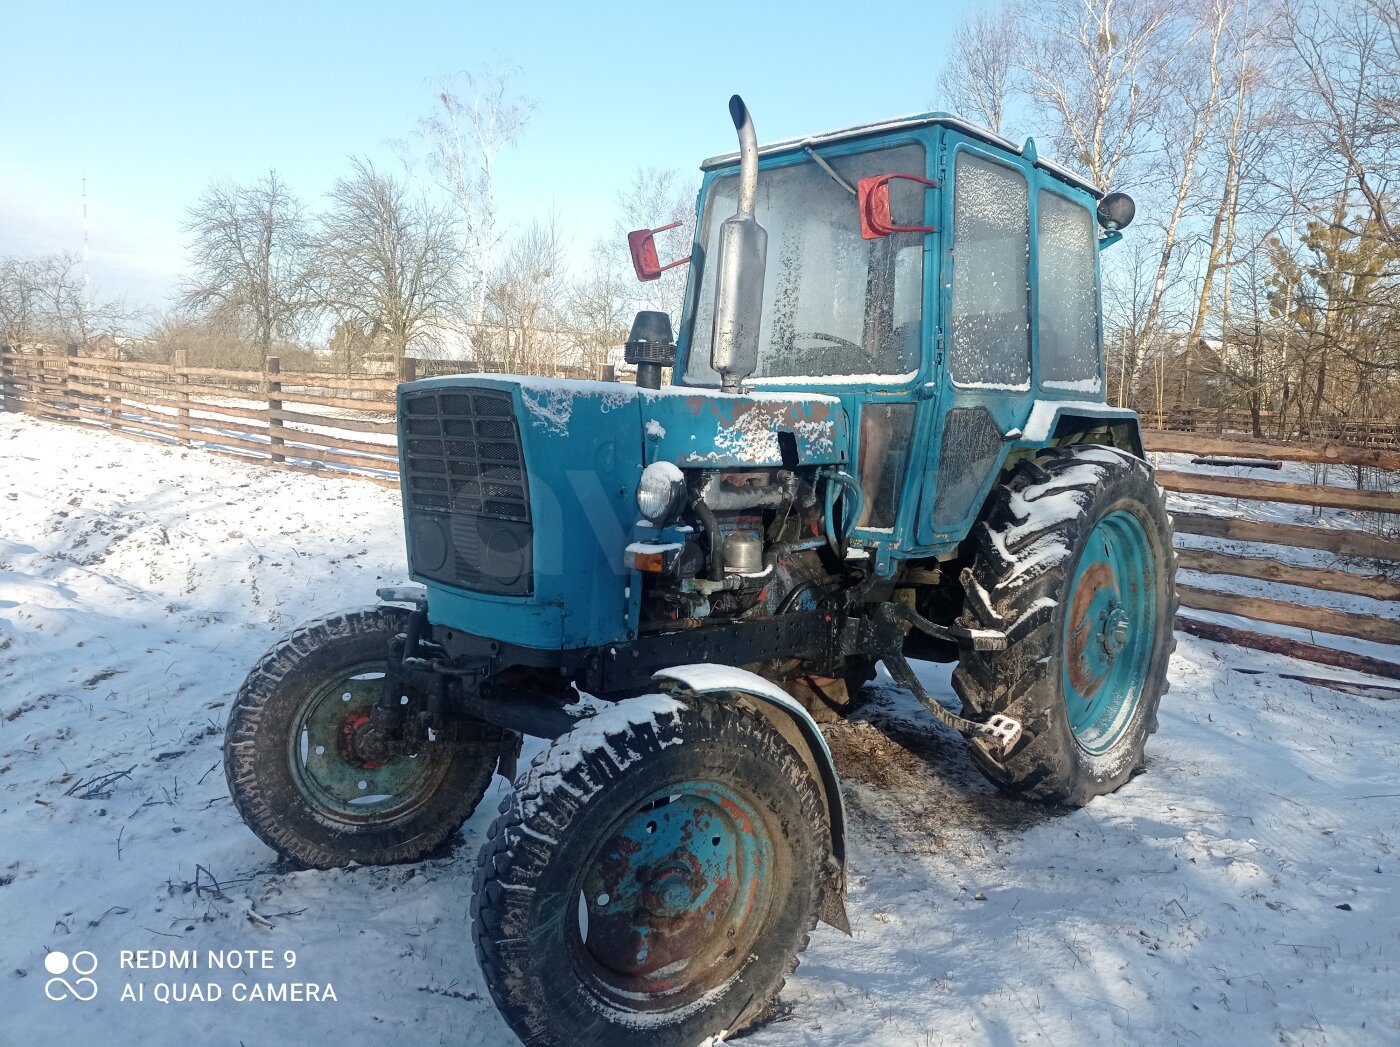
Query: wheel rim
(1109, 630)
(328, 769)
(672, 902)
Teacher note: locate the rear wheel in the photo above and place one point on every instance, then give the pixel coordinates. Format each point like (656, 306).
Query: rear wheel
(652, 880)
(1075, 563)
(296, 760)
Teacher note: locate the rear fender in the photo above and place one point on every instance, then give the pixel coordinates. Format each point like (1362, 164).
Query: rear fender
(795, 724)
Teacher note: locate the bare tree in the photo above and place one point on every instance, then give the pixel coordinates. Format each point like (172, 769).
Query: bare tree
(44, 298)
(1347, 96)
(658, 197)
(250, 256)
(1194, 78)
(526, 300)
(599, 301)
(389, 260)
(477, 116)
(978, 78)
(1089, 69)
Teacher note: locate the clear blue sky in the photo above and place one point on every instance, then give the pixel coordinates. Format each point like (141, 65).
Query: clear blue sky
(151, 101)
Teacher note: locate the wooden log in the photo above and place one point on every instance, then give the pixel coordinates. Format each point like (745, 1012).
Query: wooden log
(1265, 569)
(7, 379)
(336, 441)
(376, 406)
(357, 425)
(183, 402)
(288, 450)
(1277, 491)
(253, 394)
(1323, 451)
(222, 372)
(1343, 542)
(298, 467)
(336, 382)
(174, 403)
(1309, 652)
(1279, 612)
(274, 403)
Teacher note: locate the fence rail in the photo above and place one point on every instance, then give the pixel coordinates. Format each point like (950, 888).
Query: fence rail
(339, 426)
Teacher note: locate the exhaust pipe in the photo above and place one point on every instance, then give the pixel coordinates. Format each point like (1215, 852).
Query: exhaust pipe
(742, 259)
(748, 157)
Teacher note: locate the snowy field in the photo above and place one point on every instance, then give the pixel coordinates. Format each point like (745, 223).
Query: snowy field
(1242, 891)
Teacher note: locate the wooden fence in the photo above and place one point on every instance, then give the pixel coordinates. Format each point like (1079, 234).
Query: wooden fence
(333, 425)
(1377, 549)
(324, 424)
(1373, 433)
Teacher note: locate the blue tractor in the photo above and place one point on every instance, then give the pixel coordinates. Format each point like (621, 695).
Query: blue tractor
(884, 436)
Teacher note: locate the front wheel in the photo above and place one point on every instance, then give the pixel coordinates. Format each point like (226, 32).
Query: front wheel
(1075, 563)
(653, 878)
(297, 771)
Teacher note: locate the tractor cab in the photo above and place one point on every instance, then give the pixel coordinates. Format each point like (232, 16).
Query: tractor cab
(941, 282)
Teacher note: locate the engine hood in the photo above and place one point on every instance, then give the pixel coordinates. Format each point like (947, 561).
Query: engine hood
(699, 428)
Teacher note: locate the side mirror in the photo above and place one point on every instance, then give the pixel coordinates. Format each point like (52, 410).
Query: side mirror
(642, 245)
(873, 198)
(1116, 211)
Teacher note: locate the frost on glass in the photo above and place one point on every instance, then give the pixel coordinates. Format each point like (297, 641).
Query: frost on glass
(833, 303)
(991, 294)
(1068, 320)
(971, 448)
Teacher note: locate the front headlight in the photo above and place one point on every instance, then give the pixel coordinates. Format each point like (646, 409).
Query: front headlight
(661, 492)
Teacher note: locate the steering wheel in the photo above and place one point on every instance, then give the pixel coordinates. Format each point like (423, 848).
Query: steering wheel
(829, 339)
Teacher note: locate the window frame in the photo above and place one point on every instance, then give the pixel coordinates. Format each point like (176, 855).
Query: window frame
(1056, 386)
(989, 158)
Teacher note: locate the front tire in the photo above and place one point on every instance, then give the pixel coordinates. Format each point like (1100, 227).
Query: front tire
(1075, 563)
(292, 767)
(653, 878)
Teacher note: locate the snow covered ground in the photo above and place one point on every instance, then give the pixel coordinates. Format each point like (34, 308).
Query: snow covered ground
(1244, 890)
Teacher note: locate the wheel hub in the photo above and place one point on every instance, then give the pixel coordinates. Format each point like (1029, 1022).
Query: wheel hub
(673, 888)
(679, 883)
(346, 767)
(1109, 630)
(360, 742)
(1113, 630)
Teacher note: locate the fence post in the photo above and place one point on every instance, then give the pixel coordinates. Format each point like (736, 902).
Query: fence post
(69, 397)
(274, 406)
(114, 396)
(408, 369)
(7, 377)
(37, 390)
(182, 395)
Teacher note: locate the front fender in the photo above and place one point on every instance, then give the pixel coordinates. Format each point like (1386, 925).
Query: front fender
(789, 717)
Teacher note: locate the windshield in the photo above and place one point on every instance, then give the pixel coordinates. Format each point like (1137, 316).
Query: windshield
(833, 303)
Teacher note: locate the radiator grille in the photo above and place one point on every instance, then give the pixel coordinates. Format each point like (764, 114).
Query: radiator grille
(465, 482)
(462, 455)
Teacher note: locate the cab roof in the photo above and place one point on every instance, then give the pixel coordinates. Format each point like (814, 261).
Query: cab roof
(901, 123)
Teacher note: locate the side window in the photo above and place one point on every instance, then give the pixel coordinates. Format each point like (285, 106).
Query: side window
(1068, 321)
(990, 324)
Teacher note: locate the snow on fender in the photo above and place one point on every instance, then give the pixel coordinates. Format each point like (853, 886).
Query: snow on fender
(704, 678)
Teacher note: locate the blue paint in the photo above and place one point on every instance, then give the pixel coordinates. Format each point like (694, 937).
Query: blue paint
(693, 859)
(585, 443)
(1108, 630)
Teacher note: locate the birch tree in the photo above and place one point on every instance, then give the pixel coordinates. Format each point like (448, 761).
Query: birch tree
(477, 116)
(979, 77)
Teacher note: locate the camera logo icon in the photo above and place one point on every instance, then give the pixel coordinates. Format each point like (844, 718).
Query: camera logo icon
(60, 988)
